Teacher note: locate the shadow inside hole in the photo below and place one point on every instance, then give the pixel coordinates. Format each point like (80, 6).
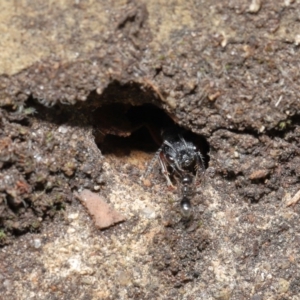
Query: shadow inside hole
(121, 128)
(138, 140)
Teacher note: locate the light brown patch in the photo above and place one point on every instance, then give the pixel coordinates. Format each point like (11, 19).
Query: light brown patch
(103, 214)
(259, 174)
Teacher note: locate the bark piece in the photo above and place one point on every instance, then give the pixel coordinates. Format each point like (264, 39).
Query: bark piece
(259, 174)
(102, 213)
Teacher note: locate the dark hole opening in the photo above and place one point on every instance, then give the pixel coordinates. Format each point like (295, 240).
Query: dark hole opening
(127, 120)
(117, 95)
(138, 140)
(121, 128)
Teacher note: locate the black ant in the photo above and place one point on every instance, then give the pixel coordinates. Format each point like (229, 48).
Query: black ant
(179, 158)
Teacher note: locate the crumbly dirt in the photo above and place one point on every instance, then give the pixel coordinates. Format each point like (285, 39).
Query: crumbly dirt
(84, 89)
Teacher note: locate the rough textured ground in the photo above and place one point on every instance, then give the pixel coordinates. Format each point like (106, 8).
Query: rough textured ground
(78, 76)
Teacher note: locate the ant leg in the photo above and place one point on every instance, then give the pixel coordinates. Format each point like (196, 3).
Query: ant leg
(164, 169)
(152, 163)
(200, 162)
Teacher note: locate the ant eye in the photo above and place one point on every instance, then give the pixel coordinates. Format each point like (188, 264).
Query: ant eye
(170, 158)
(187, 162)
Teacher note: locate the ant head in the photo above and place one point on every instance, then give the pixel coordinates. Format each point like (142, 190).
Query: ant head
(180, 157)
(187, 159)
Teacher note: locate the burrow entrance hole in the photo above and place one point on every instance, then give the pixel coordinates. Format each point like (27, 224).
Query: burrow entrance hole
(120, 127)
(124, 118)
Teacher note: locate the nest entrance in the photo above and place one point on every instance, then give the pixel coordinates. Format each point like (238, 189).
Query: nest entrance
(120, 128)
